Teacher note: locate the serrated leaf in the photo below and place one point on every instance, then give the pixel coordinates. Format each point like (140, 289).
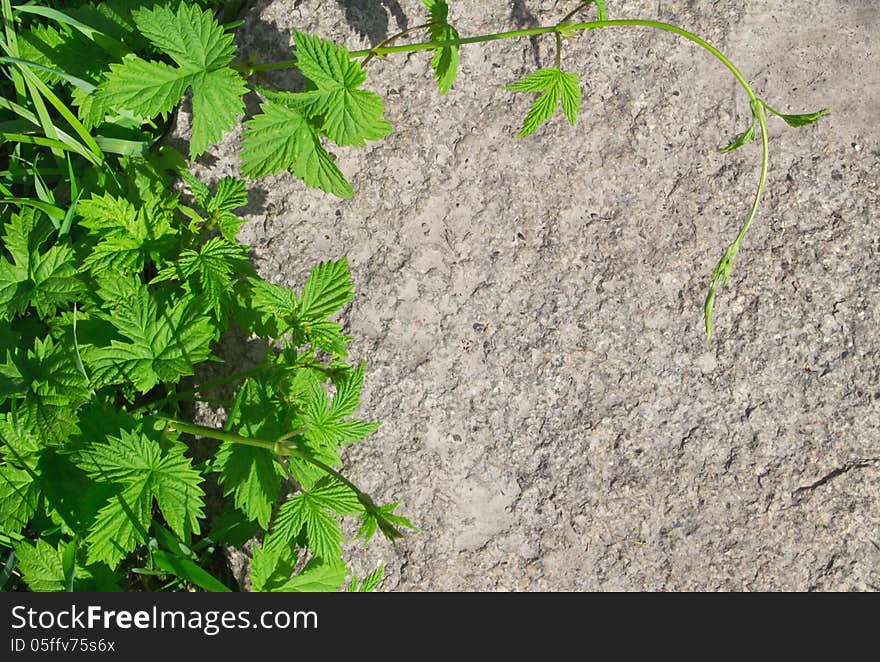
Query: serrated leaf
(557, 88)
(330, 494)
(127, 236)
(323, 532)
(176, 486)
(281, 138)
(270, 568)
(249, 474)
(199, 189)
(145, 88)
(19, 496)
(348, 394)
(266, 309)
(211, 271)
(327, 289)
(45, 279)
(382, 518)
(141, 470)
(348, 115)
(231, 194)
(216, 104)
(369, 584)
(120, 525)
(17, 442)
(318, 576)
(49, 386)
(445, 60)
(163, 345)
(42, 566)
(190, 35)
(327, 336)
(202, 51)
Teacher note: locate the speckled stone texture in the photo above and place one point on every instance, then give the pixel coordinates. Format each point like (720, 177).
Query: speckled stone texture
(531, 310)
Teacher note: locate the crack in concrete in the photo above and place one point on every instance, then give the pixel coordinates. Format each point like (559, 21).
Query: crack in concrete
(863, 463)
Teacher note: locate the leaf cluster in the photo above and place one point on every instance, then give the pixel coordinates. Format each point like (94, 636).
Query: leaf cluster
(120, 274)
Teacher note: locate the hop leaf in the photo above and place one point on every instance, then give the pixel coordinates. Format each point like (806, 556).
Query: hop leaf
(202, 50)
(49, 385)
(799, 119)
(318, 576)
(162, 345)
(347, 114)
(556, 88)
(314, 510)
(42, 566)
(745, 137)
(445, 60)
(282, 138)
(327, 289)
(19, 495)
(126, 235)
(211, 271)
(369, 584)
(44, 279)
(140, 470)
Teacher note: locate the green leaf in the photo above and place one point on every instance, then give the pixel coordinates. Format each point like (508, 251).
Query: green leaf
(211, 271)
(369, 584)
(231, 194)
(141, 470)
(202, 50)
(445, 60)
(249, 474)
(383, 519)
(188, 571)
(556, 88)
(318, 576)
(165, 343)
(42, 566)
(120, 525)
(44, 279)
(324, 426)
(49, 385)
(326, 336)
(348, 115)
(190, 36)
(145, 88)
(348, 394)
(216, 104)
(322, 529)
(745, 137)
(127, 236)
(271, 568)
(19, 496)
(799, 119)
(281, 138)
(267, 309)
(327, 289)
(17, 441)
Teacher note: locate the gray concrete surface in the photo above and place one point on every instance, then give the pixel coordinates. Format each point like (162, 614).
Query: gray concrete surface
(530, 310)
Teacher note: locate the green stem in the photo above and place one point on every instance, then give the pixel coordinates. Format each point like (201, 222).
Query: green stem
(280, 448)
(719, 276)
(529, 32)
(558, 57)
(391, 40)
(722, 269)
(283, 449)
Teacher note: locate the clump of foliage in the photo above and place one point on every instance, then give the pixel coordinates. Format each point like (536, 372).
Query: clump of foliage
(121, 273)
